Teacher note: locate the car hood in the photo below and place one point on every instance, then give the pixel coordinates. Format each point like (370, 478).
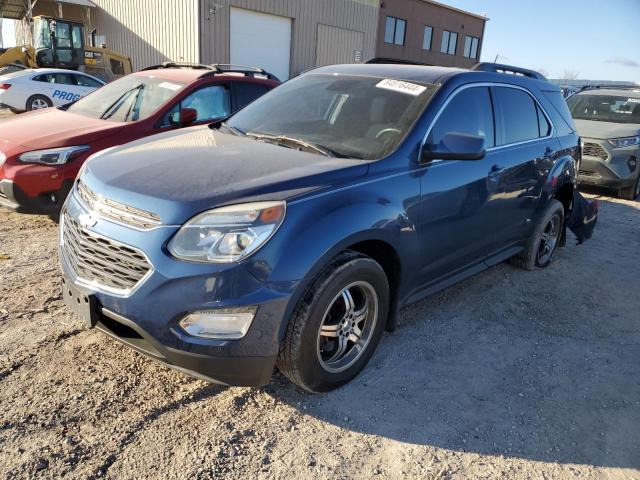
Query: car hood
(604, 130)
(53, 127)
(181, 173)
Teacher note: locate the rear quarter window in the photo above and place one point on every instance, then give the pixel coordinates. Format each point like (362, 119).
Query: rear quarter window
(560, 114)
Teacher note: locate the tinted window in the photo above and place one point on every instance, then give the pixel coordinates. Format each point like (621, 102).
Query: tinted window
(43, 78)
(518, 116)
(247, 92)
(64, 79)
(544, 128)
(85, 81)
(469, 112)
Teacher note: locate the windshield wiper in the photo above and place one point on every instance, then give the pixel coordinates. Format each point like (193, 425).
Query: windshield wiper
(292, 142)
(115, 106)
(233, 130)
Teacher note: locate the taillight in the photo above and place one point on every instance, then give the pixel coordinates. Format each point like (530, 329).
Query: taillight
(5, 86)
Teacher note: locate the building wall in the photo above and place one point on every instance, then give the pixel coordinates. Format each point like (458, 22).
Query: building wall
(421, 13)
(354, 15)
(149, 31)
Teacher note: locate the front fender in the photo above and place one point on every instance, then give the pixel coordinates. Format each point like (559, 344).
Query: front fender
(318, 228)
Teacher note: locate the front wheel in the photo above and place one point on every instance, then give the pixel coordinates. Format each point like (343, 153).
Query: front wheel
(544, 241)
(337, 324)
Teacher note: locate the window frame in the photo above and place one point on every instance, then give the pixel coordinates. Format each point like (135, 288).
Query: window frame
(424, 32)
(490, 85)
(473, 42)
(449, 35)
(395, 31)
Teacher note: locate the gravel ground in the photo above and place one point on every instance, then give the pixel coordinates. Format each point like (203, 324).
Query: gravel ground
(510, 374)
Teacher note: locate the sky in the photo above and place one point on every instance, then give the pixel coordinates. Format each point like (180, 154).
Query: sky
(598, 39)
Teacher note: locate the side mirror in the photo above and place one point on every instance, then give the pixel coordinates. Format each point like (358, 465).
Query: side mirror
(184, 117)
(456, 146)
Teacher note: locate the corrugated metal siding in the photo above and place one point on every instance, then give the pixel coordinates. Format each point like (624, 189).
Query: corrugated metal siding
(357, 15)
(338, 45)
(149, 31)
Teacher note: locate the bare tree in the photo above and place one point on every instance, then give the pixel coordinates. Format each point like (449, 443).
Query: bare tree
(571, 74)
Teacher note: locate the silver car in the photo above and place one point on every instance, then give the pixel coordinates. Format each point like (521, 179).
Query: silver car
(608, 121)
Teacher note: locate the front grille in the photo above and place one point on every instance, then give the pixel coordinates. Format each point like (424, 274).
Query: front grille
(100, 261)
(595, 150)
(117, 211)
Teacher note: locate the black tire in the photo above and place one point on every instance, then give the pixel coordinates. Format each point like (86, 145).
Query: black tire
(530, 258)
(37, 102)
(301, 354)
(631, 193)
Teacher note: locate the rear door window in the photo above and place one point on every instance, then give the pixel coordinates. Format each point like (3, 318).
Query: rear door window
(247, 92)
(470, 112)
(517, 113)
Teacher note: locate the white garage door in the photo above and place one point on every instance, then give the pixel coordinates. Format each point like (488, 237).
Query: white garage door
(261, 40)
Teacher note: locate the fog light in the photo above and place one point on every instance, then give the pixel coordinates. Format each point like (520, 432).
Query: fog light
(225, 324)
(633, 163)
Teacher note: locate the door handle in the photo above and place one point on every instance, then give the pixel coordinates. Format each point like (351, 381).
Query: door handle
(495, 172)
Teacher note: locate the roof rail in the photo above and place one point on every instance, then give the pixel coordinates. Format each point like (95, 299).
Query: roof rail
(247, 71)
(509, 69)
(196, 66)
(215, 69)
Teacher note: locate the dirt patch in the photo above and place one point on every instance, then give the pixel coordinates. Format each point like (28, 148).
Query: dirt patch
(507, 375)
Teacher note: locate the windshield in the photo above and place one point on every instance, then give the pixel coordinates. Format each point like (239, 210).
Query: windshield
(128, 99)
(605, 108)
(347, 116)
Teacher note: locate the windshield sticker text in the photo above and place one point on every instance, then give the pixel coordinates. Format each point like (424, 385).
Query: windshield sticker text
(402, 87)
(169, 86)
(633, 100)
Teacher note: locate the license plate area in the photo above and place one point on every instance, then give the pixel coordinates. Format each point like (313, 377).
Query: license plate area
(83, 305)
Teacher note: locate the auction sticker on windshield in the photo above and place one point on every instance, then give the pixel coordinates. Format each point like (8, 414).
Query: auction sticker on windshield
(170, 86)
(402, 87)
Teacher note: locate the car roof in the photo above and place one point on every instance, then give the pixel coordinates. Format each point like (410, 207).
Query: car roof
(430, 74)
(189, 75)
(43, 71)
(619, 92)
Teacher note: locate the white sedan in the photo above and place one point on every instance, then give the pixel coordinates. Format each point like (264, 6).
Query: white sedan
(33, 89)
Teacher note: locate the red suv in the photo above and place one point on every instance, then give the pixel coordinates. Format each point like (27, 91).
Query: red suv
(42, 152)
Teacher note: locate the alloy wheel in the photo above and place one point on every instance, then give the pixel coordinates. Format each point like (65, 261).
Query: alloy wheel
(549, 241)
(347, 326)
(38, 104)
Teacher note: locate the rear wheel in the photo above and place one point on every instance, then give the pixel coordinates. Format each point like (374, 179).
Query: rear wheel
(337, 325)
(38, 102)
(544, 241)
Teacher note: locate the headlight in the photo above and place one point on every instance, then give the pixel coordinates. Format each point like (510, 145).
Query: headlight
(624, 142)
(3, 158)
(53, 156)
(227, 234)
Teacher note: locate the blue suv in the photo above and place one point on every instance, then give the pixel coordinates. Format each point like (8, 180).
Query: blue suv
(291, 234)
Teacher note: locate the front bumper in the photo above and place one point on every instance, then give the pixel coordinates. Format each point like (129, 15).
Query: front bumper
(146, 319)
(604, 166)
(45, 203)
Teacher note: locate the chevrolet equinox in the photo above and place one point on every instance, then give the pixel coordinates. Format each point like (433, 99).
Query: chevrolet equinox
(290, 234)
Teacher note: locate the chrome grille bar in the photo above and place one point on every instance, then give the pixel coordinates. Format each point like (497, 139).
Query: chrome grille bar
(119, 212)
(101, 262)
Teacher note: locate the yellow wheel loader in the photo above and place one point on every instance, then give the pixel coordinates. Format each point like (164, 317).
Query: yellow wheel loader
(60, 43)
